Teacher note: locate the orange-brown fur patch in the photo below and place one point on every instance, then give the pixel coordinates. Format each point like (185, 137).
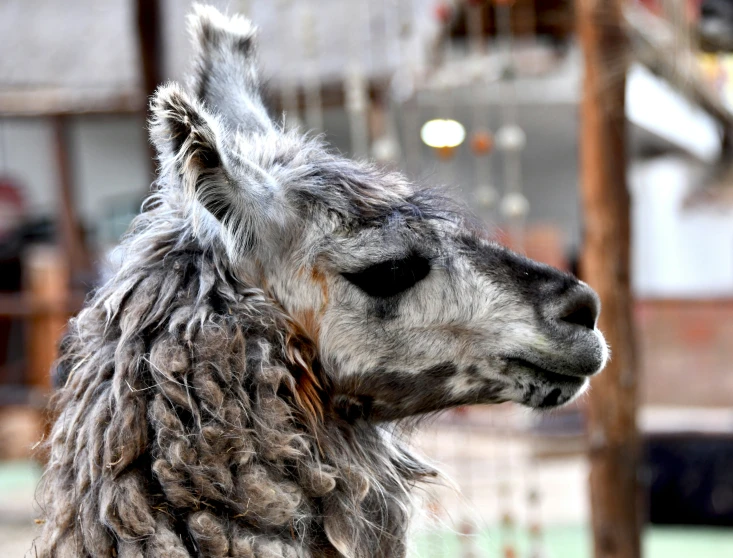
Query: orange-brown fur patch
(310, 389)
(310, 319)
(309, 323)
(318, 277)
(302, 348)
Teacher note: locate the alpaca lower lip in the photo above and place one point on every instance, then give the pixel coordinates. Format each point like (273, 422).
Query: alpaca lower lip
(581, 356)
(548, 375)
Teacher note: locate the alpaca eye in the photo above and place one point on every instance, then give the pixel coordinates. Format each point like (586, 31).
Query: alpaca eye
(390, 277)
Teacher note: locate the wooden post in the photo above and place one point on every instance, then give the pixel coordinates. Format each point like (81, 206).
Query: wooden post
(46, 282)
(71, 237)
(613, 436)
(149, 42)
(151, 54)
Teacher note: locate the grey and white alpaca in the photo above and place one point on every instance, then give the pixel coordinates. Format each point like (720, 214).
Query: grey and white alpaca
(236, 388)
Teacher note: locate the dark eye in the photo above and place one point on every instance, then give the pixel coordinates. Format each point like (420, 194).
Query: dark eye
(390, 277)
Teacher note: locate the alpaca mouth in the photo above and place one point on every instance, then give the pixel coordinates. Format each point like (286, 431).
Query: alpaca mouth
(546, 389)
(550, 374)
(580, 355)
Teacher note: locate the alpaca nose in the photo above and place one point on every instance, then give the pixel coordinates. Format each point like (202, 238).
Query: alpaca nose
(581, 308)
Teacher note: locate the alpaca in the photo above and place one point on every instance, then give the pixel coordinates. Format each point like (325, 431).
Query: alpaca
(237, 388)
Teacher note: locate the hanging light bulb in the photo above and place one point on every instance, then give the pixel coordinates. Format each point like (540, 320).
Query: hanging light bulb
(385, 149)
(510, 138)
(514, 205)
(442, 132)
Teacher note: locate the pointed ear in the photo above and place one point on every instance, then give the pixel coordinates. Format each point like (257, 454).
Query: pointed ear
(188, 140)
(225, 73)
(191, 144)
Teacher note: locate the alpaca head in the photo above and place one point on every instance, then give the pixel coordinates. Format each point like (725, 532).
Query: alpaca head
(411, 308)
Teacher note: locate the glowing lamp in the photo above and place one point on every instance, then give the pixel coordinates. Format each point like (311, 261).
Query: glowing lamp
(443, 133)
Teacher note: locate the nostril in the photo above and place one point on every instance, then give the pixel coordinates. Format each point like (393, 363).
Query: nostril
(581, 308)
(583, 316)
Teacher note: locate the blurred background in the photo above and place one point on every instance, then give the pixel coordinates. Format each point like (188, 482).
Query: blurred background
(562, 124)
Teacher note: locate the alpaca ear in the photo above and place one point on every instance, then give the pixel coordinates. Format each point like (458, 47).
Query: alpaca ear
(188, 141)
(192, 148)
(225, 72)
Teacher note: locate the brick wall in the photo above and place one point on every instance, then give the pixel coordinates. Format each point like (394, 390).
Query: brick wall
(686, 351)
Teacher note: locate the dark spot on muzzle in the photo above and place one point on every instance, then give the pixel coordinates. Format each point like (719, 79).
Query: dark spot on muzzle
(552, 399)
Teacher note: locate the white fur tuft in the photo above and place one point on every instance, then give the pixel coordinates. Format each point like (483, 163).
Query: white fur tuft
(208, 19)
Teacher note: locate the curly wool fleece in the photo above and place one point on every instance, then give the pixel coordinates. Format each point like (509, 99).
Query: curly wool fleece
(193, 421)
(193, 417)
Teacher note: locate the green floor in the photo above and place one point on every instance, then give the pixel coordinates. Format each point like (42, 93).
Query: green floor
(18, 476)
(575, 542)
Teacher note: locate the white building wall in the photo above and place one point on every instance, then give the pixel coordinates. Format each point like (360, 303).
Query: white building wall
(678, 251)
(108, 162)
(26, 155)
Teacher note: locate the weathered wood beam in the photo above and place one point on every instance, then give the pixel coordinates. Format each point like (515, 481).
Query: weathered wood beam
(613, 437)
(150, 43)
(71, 237)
